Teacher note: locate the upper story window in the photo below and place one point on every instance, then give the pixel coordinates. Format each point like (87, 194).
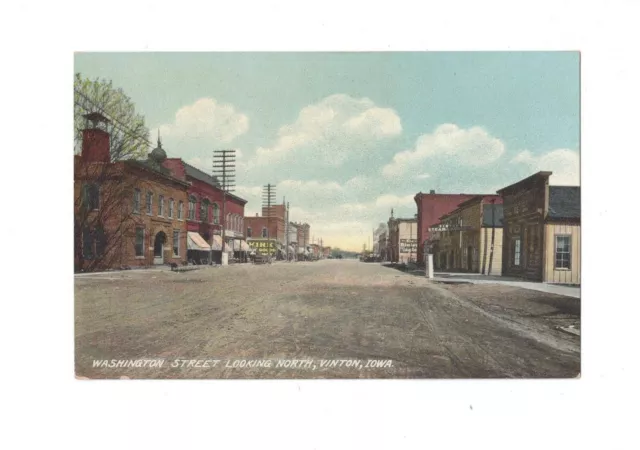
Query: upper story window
(136, 201)
(161, 205)
(180, 208)
(171, 205)
(91, 196)
(149, 203)
(204, 210)
(248, 232)
(192, 208)
(264, 232)
(216, 213)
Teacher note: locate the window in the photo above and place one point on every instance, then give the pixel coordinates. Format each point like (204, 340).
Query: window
(87, 244)
(563, 252)
(180, 208)
(176, 242)
(139, 244)
(248, 231)
(216, 213)
(136, 201)
(161, 205)
(204, 210)
(516, 252)
(100, 240)
(264, 232)
(149, 203)
(192, 208)
(171, 204)
(91, 196)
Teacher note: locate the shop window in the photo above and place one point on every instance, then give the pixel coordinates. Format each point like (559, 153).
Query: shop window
(563, 252)
(139, 243)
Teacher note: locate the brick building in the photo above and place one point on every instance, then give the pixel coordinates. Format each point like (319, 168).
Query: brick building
(204, 210)
(267, 233)
(126, 213)
(431, 207)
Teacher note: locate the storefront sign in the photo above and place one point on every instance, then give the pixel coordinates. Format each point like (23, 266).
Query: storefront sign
(262, 245)
(408, 245)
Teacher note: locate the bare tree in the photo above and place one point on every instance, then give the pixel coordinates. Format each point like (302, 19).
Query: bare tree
(105, 192)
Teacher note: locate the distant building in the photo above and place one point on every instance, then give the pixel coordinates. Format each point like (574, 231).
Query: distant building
(542, 239)
(266, 234)
(403, 240)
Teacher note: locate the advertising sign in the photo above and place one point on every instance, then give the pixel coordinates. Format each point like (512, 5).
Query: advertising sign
(408, 245)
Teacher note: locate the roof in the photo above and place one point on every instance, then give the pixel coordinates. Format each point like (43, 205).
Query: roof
(200, 175)
(564, 202)
(157, 169)
(497, 212)
(539, 175)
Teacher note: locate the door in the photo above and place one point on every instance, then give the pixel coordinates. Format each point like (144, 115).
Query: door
(470, 259)
(158, 248)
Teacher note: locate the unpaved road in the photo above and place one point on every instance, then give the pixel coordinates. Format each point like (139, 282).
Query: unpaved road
(319, 311)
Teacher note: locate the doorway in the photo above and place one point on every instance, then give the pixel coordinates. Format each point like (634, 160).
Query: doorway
(470, 259)
(158, 248)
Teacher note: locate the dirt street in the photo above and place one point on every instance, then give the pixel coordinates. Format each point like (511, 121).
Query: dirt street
(314, 313)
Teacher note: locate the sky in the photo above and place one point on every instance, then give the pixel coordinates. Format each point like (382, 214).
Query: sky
(346, 137)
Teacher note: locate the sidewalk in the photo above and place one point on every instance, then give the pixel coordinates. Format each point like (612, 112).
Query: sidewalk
(476, 278)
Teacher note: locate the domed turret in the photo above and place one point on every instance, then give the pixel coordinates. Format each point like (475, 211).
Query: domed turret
(158, 154)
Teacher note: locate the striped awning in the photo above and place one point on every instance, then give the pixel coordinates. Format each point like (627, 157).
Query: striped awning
(217, 242)
(196, 242)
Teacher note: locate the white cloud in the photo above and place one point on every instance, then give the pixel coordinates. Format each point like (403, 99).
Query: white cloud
(564, 163)
(422, 176)
(332, 128)
(472, 146)
(207, 118)
(390, 200)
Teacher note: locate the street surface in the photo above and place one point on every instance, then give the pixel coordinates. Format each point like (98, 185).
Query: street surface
(320, 311)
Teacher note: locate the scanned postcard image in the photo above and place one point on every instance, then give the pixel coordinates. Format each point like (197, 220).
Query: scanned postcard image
(327, 215)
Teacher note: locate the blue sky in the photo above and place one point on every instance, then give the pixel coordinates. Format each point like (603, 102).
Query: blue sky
(347, 136)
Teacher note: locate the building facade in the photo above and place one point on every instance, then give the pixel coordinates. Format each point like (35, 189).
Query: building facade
(431, 207)
(126, 213)
(470, 237)
(403, 238)
(542, 239)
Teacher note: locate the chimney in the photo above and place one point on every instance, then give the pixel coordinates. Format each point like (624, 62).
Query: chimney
(95, 139)
(432, 191)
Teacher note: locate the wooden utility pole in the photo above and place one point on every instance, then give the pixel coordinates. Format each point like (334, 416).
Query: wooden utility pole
(268, 200)
(224, 168)
(493, 232)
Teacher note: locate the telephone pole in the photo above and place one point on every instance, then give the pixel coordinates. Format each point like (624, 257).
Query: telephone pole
(224, 168)
(286, 229)
(268, 200)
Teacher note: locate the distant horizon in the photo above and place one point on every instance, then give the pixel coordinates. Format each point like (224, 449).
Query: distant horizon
(346, 137)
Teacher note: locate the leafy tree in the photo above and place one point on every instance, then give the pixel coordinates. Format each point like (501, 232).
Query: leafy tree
(129, 134)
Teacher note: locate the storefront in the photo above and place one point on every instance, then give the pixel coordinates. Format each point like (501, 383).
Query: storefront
(198, 251)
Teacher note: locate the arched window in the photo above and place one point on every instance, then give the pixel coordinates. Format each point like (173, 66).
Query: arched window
(216, 213)
(204, 210)
(91, 196)
(192, 208)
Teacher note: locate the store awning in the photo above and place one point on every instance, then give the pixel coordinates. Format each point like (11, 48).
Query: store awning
(244, 247)
(196, 242)
(291, 249)
(217, 242)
